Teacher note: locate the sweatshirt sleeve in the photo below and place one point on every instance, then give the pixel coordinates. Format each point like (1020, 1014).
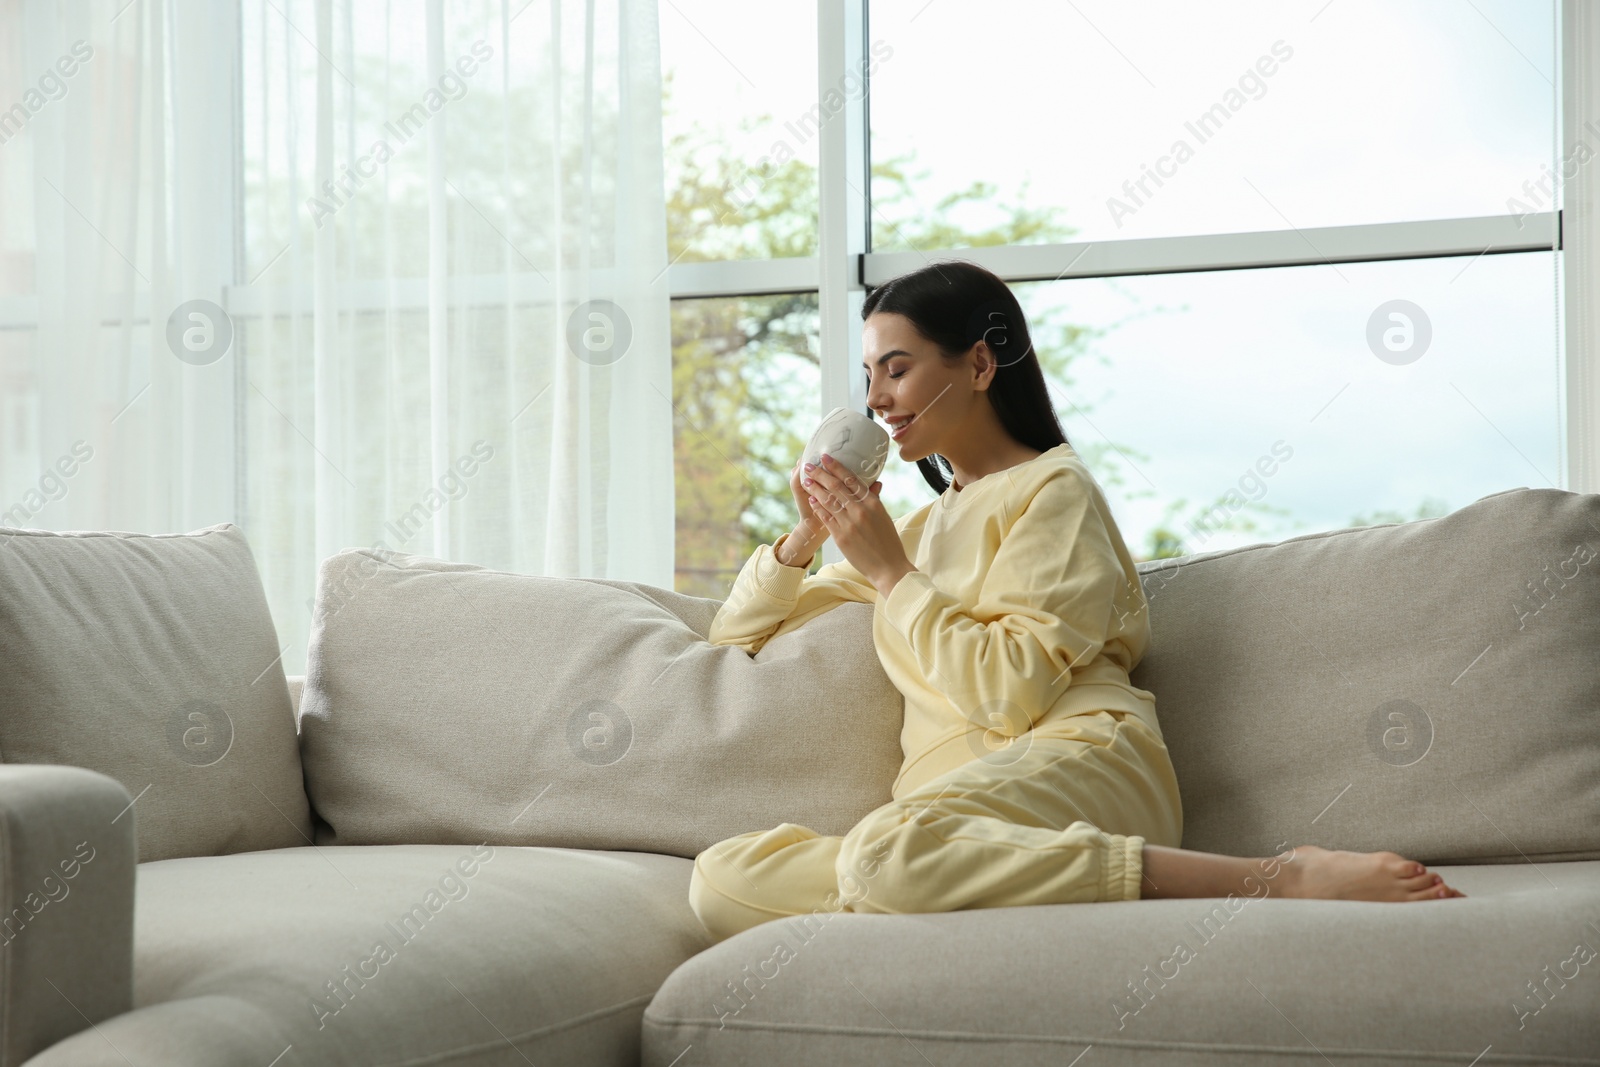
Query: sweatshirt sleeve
(1045, 608)
(769, 596)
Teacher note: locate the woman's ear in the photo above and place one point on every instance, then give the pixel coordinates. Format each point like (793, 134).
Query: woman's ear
(984, 369)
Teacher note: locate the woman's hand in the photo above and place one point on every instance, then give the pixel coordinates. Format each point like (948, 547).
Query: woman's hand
(857, 522)
(801, 493)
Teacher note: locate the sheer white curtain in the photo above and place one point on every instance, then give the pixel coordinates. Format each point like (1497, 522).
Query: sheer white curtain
(435, 231)
(111, 205)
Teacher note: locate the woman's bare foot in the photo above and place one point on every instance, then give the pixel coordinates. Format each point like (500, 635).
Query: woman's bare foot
(1314, 873)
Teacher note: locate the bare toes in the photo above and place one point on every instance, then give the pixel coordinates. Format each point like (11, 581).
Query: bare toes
(1438, 892)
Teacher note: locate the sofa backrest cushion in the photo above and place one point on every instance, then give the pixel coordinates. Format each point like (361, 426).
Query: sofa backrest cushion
(451, 703)
(1430, 688)
(153, 659)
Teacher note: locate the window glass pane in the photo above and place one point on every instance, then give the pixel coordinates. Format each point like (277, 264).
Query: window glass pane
(740, 120)
(1157, 119)
(1236, 407)
(746, 379)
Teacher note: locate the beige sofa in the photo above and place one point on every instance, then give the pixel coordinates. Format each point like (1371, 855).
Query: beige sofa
(466, 835)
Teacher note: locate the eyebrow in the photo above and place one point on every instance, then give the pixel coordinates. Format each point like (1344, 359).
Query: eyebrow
(887, 356)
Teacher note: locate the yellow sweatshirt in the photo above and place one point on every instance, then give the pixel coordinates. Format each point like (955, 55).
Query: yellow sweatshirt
(1025, 609)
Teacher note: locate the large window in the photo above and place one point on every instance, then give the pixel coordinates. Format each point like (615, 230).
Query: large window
(1350, 313)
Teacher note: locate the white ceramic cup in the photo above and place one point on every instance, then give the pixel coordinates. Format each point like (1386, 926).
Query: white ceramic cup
(852, 439)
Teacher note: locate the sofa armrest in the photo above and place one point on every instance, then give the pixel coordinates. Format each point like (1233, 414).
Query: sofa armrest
(67, 870)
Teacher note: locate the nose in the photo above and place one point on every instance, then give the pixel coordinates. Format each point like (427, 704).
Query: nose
(878, 399)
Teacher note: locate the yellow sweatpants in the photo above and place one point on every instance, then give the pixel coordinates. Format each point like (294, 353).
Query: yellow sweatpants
(1059, 816)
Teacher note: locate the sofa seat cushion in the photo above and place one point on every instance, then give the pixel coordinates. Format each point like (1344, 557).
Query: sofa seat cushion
(1509, 972)
(402, 954)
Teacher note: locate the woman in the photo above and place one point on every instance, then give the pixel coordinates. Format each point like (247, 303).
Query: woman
(1008, 613)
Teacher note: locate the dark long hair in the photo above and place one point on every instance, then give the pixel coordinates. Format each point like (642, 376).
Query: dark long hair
(956, 304)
